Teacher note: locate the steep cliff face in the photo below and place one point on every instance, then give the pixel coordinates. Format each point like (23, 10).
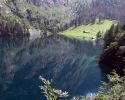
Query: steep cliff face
(50, 15)
(3, 8)
(46, 3)
(113, 9)
(90, 9)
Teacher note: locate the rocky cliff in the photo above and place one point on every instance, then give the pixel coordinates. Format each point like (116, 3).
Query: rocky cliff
(46, 2)
(45, 15)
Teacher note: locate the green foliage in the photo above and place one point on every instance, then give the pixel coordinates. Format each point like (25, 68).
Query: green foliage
(78, 32)
(50, 92)
(114, 89)
(12, 19)
(10, 23)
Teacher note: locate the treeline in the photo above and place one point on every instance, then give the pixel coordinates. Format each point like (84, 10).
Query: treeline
(111, 9)
(45, 24)
(12, 25)
(102, 9)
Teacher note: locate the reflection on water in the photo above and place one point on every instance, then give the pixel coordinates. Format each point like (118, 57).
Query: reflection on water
(71, 65)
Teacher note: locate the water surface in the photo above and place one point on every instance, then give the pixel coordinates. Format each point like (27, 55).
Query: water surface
(71, 66)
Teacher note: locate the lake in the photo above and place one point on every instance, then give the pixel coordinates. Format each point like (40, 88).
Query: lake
(70, 65)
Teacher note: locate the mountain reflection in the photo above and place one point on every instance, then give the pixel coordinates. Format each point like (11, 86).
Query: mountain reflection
(70, 64)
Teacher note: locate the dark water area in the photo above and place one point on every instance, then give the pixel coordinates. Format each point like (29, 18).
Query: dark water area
(71, 65)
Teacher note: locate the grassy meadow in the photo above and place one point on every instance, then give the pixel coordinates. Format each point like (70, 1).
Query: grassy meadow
(86, 32)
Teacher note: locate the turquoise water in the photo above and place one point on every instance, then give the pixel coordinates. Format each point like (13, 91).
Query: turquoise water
(71, 66)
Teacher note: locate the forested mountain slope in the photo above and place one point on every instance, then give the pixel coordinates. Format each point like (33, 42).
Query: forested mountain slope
(58, 15)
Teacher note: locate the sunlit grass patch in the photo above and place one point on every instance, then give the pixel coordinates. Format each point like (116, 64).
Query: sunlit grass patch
(85, 32)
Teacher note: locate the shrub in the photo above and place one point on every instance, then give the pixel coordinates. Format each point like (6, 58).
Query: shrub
(50, 92)
(114, 89)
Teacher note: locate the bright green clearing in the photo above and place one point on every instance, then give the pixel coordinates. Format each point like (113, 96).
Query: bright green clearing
(86, 32)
